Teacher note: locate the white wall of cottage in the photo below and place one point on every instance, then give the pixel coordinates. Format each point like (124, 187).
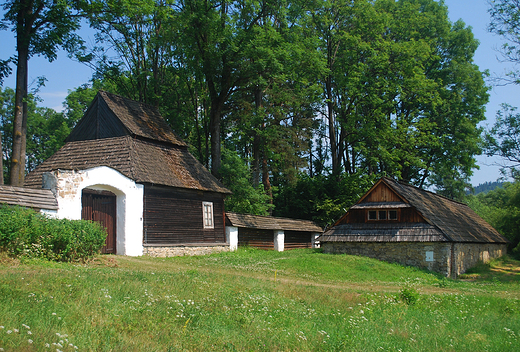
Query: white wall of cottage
(68, 185)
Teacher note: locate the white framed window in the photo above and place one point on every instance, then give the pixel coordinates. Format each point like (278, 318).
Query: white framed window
(382, 215)
(207, 215)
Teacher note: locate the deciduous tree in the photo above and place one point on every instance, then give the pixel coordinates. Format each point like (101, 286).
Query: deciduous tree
(41, 27)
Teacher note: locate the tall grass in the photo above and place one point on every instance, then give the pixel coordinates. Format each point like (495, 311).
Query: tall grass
(232, 302)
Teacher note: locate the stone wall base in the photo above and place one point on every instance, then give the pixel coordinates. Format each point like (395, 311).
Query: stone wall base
(178, 251)
(434, 256)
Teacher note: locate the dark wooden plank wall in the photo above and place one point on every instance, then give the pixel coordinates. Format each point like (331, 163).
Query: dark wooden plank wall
(382, 193)
(98, 122)
(297, 239)
(174, 216)
(263, 239)
(357, 216)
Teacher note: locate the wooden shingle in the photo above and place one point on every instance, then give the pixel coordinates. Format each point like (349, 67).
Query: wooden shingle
(30, 198)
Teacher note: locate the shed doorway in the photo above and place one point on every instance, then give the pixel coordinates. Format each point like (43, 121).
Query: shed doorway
(100, 206)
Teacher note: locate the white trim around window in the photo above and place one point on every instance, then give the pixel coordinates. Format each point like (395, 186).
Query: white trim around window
(207, 215)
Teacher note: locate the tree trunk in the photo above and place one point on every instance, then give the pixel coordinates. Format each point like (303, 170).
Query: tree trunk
(20, 117)
(214, 130)
(1, 161)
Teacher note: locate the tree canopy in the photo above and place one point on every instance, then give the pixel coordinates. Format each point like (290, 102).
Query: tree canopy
(277, 97)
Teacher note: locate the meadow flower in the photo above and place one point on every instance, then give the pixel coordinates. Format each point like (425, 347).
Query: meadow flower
(30, 341)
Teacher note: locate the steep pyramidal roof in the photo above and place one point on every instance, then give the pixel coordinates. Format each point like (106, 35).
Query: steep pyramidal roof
(110, 115)
(445, 220)
(133, 139)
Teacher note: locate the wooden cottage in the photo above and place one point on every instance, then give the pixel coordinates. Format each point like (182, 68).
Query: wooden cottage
(122, 165)
(396, 222)
(268, 232)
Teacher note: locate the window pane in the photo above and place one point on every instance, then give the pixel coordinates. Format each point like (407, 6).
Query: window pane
(207, 215)
(372, 215)
(392, 214)
(382, 215)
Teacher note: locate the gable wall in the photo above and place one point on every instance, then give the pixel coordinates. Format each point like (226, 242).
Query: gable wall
(382, 193)
(99, 122)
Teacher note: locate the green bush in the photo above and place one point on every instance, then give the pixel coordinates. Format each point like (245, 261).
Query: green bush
(26, 233)
(408, 295)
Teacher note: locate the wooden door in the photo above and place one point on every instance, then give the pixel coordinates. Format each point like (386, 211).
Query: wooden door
(100, 206)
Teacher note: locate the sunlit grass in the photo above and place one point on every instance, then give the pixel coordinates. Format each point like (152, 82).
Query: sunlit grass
(232, 302)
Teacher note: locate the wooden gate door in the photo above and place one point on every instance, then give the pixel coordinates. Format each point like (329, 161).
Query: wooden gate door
(100, 206)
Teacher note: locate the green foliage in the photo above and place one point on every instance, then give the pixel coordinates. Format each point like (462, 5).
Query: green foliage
(503, 139)
(409, 295)
(323, 199)
(245, 199)
(25, 233)
(501, 209)
(505, 21)
(46, 129)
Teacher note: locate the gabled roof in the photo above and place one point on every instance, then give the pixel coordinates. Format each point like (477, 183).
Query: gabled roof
(110, 115)
(270, 223)
(25, 197)
(455, 221)
(140, 160)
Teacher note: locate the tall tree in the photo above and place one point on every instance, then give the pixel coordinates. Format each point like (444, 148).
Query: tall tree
(503, 139)
(41, 27)
(505, 21)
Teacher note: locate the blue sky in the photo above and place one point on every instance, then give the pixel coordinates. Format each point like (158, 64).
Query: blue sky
(64, 74)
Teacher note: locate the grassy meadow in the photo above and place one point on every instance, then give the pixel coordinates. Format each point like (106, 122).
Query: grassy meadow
(251, 300)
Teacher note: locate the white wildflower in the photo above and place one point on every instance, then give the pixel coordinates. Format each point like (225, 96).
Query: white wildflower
(30, 341)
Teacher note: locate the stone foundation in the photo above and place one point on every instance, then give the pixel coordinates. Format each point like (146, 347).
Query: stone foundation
(181, 250)
(434, 256)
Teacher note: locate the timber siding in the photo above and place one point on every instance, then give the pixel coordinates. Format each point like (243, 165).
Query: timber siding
(174, 216)
(426, 230)
(258, 231)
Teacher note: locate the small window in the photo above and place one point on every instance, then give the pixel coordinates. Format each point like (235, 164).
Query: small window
(382, 215)
(372, 215)
(392, 215)
(207, 214)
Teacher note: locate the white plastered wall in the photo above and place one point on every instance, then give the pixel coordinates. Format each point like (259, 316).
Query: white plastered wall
(68, 186)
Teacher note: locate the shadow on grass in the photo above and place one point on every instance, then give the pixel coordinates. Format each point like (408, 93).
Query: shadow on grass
(504, 269)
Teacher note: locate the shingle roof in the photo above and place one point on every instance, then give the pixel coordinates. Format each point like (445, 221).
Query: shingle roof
(109, 112)
(383, 232)
(270, 223)
(454, 221)
(140, 160)
(25, 197)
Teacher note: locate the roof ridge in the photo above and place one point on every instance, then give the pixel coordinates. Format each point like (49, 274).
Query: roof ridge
(270, 216)
(424, 190)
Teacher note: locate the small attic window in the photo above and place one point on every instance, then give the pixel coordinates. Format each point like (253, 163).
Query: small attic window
(374, 215)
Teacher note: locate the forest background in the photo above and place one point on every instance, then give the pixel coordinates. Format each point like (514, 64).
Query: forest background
(296, 106)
